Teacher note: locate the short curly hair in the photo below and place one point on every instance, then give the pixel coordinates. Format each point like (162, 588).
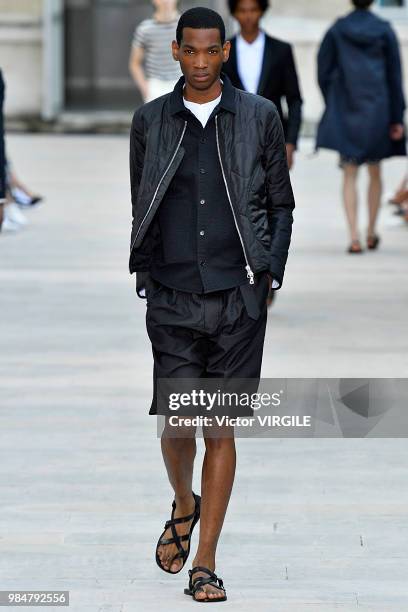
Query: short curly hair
(362, 4)
(200, 18)
(233, 5)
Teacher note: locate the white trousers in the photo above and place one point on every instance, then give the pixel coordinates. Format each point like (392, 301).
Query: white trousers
(159, 87)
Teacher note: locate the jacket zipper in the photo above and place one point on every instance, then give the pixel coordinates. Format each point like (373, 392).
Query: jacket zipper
(159, 183)
(248, 269)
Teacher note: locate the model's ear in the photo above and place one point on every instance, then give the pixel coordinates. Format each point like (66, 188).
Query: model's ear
(175, 50)
(226, 50)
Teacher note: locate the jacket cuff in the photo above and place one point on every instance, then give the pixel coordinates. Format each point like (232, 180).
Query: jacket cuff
(292, 140)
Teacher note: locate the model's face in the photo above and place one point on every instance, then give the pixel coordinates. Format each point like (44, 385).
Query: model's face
(248, 14)
(201, 56)
(165, 4)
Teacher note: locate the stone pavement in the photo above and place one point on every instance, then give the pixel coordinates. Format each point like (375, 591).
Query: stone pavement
(313, 525)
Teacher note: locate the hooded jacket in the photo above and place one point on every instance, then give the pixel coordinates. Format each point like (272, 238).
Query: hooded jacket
(359, 73)
(252, 156)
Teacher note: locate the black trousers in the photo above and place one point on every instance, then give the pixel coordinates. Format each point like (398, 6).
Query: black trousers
(219, 334)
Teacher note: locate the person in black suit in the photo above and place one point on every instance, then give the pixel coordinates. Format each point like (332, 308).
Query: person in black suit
(264, 65)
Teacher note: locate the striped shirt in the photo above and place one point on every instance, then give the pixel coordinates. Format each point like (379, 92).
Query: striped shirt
(155, 38)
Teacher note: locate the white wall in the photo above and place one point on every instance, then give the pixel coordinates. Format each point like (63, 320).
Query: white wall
(319, 9)
(21, 62)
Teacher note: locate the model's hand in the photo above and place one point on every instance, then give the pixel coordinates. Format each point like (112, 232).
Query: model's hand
(290, 153)
(396, 131)
(271, 294)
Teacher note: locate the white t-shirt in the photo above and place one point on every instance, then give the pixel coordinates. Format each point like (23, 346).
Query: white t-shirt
(202, 111)
(249, 61)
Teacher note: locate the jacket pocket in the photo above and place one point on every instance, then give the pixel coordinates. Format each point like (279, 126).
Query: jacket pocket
(257, 181)
(256, 207)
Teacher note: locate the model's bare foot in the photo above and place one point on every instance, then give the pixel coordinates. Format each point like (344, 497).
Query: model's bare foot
(399, 197)
(355, 247)
(209, 591)
(166, 552)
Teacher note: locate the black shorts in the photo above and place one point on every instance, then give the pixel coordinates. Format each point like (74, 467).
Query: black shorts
(219, 334)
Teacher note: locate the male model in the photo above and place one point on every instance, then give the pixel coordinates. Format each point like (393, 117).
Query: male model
(212, 217)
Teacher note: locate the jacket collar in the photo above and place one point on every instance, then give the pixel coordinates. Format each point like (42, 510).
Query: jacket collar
(227, 97)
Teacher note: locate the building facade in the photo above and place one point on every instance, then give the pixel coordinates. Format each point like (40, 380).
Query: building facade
(71, 56)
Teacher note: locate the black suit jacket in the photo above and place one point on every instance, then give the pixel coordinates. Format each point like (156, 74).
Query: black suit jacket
(278, 80)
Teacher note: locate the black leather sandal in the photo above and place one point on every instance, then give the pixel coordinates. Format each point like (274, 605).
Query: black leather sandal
(177, 539)
(197, 585)
(373, 242)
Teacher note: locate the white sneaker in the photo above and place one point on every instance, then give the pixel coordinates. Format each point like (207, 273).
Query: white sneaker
(14, 214)
(20, 196)
(24, 200)
(9, 226)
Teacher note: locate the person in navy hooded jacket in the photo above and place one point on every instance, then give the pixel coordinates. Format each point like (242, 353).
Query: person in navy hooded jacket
(359, 74)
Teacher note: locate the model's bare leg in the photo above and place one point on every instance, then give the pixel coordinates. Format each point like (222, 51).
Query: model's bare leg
(350, 198)
(374, 197)
(15, 182)
(178, 454)
(216, 486)
(401, 192)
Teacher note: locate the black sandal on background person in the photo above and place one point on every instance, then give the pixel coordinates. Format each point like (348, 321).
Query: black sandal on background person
(198, 583)
(373, 242)
(355, 247)
(177, 539)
